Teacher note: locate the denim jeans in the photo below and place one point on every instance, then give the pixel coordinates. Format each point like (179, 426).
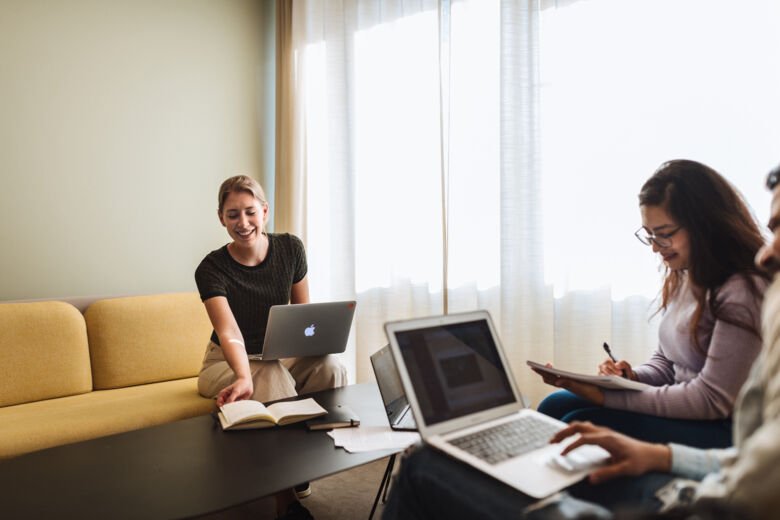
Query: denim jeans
(568, 407)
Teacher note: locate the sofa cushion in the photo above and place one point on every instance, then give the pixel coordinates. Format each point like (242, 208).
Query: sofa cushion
(35, 426)
(146, 339)
(43, 352)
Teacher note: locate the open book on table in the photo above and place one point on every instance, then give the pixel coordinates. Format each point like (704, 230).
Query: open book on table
(242, 415)
(609, 382)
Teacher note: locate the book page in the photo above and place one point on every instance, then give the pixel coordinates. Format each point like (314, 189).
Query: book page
(287, 412)
(609, 382)
(247, 410)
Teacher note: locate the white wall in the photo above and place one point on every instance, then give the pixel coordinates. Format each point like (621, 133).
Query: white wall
(118, 121)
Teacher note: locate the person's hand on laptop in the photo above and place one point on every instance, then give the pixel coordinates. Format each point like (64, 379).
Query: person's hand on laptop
(628, 456)
(586, 391)
(241, 389)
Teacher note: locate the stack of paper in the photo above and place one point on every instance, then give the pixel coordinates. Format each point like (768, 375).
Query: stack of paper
(371, 438)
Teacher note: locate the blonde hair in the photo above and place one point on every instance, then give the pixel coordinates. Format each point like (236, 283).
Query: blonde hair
(240, 183)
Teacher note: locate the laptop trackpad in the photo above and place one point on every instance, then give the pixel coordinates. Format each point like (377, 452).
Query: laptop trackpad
(583, 458)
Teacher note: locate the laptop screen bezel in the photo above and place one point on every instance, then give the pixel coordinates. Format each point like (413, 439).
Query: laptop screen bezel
(379, 373)
(444, 427)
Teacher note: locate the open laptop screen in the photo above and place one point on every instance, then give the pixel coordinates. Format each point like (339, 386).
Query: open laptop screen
(387, 379)
(454, 369)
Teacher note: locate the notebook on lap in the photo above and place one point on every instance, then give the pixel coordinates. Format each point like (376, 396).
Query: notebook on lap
(466, 403)
(306, 329)
(399, 413)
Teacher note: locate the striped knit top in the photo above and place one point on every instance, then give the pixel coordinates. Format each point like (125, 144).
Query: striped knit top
(698, 382)
(251, 291)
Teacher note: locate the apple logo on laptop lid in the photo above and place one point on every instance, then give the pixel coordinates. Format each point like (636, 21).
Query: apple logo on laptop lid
(309, 331)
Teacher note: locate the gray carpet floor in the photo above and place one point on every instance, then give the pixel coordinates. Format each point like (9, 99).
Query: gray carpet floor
(346, 496)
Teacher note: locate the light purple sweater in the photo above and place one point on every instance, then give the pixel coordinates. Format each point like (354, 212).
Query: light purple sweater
(703, 382)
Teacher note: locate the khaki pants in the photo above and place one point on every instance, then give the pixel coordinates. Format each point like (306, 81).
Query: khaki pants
(272, 379)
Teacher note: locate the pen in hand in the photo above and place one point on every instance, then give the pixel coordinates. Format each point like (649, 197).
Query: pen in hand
(609, 353)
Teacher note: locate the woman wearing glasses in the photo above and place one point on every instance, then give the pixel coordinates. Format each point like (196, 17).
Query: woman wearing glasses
(709, 334)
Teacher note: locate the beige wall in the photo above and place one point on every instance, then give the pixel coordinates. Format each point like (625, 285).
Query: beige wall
(118, 121)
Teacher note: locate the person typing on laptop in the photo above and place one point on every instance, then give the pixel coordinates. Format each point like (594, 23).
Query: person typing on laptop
(740, 481)
(238, 284)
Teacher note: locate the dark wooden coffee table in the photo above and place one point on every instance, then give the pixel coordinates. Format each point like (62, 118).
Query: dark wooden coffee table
(181, 469)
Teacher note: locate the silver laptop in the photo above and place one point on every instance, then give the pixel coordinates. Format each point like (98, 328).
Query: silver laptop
(399, 413)
(465, 401)
(306, 329)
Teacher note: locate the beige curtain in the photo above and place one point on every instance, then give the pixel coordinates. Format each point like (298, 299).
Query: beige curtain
(290, 183)
(421, 178)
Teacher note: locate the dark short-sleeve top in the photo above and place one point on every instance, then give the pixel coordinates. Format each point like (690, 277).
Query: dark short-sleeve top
(251, 291)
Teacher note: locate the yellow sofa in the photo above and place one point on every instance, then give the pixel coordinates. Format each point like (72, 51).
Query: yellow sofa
(125, 363)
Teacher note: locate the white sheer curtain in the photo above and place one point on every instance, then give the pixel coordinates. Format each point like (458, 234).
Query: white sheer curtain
(487, 154)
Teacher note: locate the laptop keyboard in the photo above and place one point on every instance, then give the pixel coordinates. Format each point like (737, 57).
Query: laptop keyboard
(507, 440)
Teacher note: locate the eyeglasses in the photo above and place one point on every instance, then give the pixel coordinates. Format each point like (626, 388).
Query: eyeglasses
(660, 239)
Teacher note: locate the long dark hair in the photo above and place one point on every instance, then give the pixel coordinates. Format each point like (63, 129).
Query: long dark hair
(724, 236)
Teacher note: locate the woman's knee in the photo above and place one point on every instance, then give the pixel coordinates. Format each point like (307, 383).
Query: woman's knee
(214, 378)
(205, 388)
(561, 403)
(584, 415)
(312, 374)
(619, 420)
(333, 371)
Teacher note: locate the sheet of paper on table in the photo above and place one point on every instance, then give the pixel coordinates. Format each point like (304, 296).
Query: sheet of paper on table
(371, 438)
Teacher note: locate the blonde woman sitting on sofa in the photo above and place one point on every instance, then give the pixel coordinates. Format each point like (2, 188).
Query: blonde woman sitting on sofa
(238, 284)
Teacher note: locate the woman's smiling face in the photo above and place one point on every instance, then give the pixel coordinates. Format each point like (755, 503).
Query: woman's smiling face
(244, 217)
(659, 224)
